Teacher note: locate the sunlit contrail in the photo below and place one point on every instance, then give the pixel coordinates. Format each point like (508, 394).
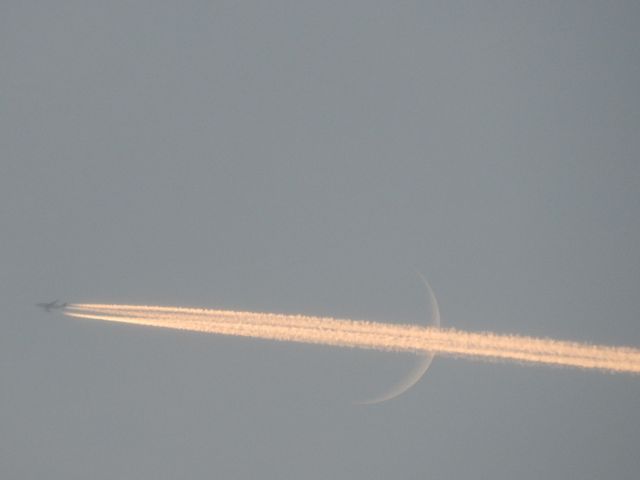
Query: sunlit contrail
(370, 335)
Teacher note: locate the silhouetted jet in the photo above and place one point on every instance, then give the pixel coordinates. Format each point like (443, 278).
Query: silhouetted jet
(49, 306)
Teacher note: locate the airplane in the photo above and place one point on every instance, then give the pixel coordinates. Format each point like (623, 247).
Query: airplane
(49, 306)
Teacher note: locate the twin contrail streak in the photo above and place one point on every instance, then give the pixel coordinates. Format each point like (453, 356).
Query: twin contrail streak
(369, 335)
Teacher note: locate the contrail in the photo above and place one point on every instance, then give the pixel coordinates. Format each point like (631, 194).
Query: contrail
(369, 335)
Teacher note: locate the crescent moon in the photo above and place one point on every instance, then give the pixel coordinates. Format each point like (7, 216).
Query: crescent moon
(421, 367)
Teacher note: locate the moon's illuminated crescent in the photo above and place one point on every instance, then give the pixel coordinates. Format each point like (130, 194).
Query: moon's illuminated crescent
(421, 367)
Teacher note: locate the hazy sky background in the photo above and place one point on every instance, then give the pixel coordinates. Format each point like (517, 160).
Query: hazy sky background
(306, 157)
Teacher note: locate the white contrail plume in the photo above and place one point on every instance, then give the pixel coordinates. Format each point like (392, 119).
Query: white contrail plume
(370, 335)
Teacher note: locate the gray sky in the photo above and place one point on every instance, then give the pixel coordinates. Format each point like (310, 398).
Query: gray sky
(306, 157)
